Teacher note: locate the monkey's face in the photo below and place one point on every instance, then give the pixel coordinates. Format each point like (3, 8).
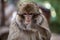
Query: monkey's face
(29, 18)
(28, 14)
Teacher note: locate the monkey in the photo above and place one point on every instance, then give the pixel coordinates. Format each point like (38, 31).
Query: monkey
(29, 24)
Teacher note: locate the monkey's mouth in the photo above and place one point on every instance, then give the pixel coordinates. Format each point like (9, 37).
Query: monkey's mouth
(27, 22)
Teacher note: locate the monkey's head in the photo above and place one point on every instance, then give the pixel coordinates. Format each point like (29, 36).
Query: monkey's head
(28, 12)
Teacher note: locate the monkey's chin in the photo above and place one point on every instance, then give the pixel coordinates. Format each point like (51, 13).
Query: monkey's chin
(27, 26)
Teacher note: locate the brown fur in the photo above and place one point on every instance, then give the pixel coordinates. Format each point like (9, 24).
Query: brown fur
(34, 32)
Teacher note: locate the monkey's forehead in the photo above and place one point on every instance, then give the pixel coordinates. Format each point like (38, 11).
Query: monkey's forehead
(28, 7)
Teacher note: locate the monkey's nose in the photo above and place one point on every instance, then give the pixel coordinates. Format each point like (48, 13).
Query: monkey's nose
(27, 20)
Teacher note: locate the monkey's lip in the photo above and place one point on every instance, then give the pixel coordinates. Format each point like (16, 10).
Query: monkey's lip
(28, 22)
